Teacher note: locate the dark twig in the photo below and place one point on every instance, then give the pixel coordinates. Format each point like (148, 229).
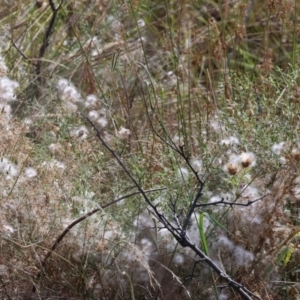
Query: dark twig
(18, 49)
(192, 208)
(190, 277)
(231, 204)
(62, 235)
(186, 157)
(177, 232)
(47, 37)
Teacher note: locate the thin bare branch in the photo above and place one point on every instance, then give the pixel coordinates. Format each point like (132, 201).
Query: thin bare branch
(177, 232)
(47, 37)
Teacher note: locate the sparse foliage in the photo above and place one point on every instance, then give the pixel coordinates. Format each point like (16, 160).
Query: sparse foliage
(186, 113)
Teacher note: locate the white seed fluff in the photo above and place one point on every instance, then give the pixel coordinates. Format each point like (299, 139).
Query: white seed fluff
(30, 172)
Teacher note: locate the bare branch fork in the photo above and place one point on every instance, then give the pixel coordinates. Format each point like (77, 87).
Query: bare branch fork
(179, 232)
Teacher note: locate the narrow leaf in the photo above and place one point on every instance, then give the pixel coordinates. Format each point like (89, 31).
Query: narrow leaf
(202, 233)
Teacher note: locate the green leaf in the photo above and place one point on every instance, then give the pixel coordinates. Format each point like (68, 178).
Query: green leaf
(115, 60)
(216, 221)
(290, 251)
(202, 233)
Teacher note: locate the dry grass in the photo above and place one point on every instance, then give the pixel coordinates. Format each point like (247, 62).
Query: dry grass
(221, 78)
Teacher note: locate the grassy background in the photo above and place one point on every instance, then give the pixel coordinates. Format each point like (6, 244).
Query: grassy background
(220, 78)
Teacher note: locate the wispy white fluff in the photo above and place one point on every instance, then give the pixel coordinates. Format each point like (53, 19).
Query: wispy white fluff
(193, 230)
(197, 164)
(178, 259)
(102, 122)
(54, 164)
(80, 132)
(30, 172)
(215, 124)
(247, 159)
(93, 115)
(8, 168)
(91, 101)
(93, 43)
(143, 221)
(277, 148)
(62, 84)
(3, 67)
(6, 109)
(215, 199)
(3, 270)
(28, 121)
(141, 23)
(223, 296)
(251, 193)
(70, 107)
(8, 230)
(224, 242)
(146, 246)
(7, 89)
(143, 276)
(54, 148)
(109, 234)
(234, 159)
(183, 174)
(242, 257)
(123, 133)
(233, 140)
(68, 91)
(256, 221)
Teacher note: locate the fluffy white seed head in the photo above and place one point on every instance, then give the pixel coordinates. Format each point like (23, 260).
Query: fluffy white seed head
(91, 101)
(102, 122)
(215, 199)
(141, 23)
(8, 168)
(7, 230)
(54, 164)
(123, 133)
(30, 172)
(62, 84)
(3, 67)
(5, 110)
(247, 159)
(233, 140)
(178, 259)
(224, 243)
(242, 257)
(68, 91)
(197, 164)
(93, 115)
(80, 133)
(70, 107)
(7, 89)
(222, 296)
(277, 148)
(183, 174)
(231, 168)
(54, 148)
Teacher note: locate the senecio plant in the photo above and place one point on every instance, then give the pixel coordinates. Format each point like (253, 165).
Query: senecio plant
(149, 149)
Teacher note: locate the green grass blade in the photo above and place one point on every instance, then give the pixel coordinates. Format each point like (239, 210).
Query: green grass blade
(202, 233)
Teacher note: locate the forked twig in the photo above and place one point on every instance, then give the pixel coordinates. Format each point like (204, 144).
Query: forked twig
(178, 232)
